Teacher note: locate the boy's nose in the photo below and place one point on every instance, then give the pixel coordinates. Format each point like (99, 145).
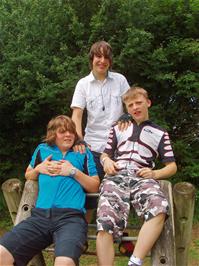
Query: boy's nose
(102, 58)
(67, 133)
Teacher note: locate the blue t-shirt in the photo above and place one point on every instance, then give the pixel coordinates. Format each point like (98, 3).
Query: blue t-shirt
(62, 191)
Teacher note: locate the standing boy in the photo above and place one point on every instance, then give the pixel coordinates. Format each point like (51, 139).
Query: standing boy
(101, 94)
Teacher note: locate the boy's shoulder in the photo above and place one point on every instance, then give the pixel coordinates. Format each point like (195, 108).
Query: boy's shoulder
(44, 146)
(81, 155)
(155, 126)
(115, 74)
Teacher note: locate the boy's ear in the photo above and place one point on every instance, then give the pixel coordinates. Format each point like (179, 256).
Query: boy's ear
(149, 103)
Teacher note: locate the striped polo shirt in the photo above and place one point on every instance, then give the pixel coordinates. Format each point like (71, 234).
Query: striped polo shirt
(139, 146)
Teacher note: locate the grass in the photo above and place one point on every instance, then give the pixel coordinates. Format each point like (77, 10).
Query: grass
(5, 221)
(90, 260)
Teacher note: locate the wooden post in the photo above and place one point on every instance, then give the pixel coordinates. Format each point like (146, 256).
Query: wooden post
(27, 201)
(24, 211)
(184, 200)
(163, 252)
(12, 191)
(20, 210)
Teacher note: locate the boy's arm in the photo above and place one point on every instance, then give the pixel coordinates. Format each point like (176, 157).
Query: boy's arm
(77, 119)
(31, 173)
(168, 170)
(110, 167)
(46, 167)
(166, 156)
(90, 182)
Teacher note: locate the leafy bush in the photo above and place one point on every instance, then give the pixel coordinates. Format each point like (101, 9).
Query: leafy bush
(43, 53)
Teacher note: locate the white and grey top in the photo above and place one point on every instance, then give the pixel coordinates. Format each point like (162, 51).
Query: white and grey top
(139, 145)
(103, 103)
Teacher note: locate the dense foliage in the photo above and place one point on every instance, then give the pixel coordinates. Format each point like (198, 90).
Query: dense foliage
(43, 52)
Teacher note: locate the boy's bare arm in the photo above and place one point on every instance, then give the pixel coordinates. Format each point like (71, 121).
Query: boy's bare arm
(77, 119)
(110, 167)
(168, 170)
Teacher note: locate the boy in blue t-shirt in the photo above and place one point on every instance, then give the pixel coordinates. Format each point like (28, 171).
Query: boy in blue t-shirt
(58, 217)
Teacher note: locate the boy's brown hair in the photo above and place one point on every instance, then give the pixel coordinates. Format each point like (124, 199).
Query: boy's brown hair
(100, 48)
(133, 92)
(61, 121)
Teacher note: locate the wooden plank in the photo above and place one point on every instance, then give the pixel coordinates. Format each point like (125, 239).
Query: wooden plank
(184, 201)
(163, 252)
(20, 205)
(12, 191)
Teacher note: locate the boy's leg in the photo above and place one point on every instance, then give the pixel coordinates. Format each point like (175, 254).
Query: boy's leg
(64, 261)
(149, 201)
(148, 235)
(26, 239)
(91, 203)
(6, 257)
(105, 249)
(70, 235)
(112, 215)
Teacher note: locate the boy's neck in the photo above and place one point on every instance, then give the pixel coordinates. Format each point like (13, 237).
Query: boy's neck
(140, 122)
(100, 77)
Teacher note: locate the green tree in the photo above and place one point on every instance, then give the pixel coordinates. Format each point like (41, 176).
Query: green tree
(40, 57)
(157, 47)
(43, 53)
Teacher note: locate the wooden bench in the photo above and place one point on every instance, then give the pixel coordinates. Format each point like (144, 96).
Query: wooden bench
(171, 249)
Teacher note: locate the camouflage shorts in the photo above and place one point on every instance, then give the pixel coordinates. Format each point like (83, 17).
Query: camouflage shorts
(120, 192)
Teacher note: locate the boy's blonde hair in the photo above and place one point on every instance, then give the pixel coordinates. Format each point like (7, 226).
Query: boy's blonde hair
(61, 121)
(133, 92)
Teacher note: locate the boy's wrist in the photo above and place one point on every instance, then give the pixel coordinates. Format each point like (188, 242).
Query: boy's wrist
(73, 171)
(37, 170)
(102, 161)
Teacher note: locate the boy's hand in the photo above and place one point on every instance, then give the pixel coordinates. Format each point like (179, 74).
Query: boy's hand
(80, 146)
(65, 168)
(110, 167)
(146, 172)
(124, 121)
(49, 167)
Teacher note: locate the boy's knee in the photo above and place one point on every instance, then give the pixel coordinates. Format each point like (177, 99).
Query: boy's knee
(105, 235)
(6, 257)
(65, 261)
(160, 218)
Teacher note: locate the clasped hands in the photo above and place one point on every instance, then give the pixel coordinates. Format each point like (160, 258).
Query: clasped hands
(54, 168)
(111, 168)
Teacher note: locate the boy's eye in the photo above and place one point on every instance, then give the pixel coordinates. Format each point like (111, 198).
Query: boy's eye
(61, 131)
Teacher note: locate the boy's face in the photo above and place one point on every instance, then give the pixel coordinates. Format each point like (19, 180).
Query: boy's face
(64, 139)
(100, 64)
(138, 108)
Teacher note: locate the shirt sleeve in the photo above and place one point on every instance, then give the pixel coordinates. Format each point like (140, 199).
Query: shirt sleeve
(36, 158)
(79, 96)
(165, 149)
(124, 85)
(90, 166)
(111, 144)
